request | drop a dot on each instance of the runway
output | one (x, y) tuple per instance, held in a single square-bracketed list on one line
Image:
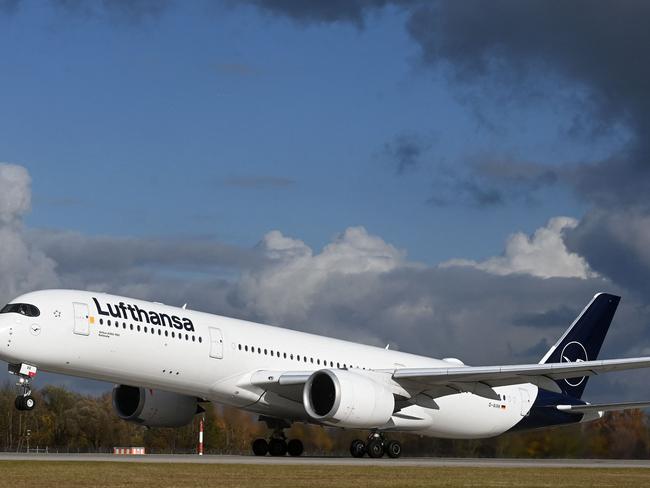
[(336, 461)]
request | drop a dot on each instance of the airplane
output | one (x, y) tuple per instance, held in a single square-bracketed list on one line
[(165, 361)]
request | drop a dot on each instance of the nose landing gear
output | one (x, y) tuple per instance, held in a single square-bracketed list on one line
[(376, 447), (25, 372)]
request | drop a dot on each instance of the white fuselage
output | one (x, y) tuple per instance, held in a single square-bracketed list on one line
[(215, 357)]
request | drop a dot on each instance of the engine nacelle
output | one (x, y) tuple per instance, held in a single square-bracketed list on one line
[(154, 408), (347, 399)]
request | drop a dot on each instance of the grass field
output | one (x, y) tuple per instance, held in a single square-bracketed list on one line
[(143, 475)]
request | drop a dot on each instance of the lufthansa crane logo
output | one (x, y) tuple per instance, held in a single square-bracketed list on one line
[(574, 352)]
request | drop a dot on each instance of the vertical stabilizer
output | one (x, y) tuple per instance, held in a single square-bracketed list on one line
[(583, 340)]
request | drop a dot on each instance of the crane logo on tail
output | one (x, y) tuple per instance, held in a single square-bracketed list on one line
[(574, 352)]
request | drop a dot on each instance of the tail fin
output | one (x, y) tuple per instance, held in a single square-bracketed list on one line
[(582, 341)]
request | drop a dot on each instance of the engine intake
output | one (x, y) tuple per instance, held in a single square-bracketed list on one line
[(154, 408), (347, 399)]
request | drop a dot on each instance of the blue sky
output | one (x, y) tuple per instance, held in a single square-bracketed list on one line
[(377, 171), (229, 122)]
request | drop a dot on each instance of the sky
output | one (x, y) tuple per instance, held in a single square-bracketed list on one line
[(407, 172)]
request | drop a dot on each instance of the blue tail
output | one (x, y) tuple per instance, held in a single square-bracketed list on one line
[(582, 341)]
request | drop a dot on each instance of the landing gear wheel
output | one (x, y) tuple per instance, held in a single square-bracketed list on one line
[(260, 447), (394, 449), (28, 403), (358, 448), (25, 403), (295, 447), (277, 447), (375, 448)]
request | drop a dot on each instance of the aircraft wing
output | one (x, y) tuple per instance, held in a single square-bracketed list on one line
[(267, 378), (543, 375), (287, 384), (601, 407), (436, 382)]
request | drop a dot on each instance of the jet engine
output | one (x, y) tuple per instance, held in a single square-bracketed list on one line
[(154, 408), (347, 399)]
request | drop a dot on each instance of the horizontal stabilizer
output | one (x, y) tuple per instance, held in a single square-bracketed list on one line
[(602, 407)]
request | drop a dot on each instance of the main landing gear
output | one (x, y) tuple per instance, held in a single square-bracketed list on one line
[(25, 372), (376, 446), (277, 445)]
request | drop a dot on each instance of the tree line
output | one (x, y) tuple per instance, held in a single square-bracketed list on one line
[(66, 421)]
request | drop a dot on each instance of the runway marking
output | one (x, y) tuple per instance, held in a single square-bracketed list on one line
[(335, 461)]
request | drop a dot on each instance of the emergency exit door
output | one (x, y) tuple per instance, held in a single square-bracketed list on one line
[(81, 319), (216, 343)]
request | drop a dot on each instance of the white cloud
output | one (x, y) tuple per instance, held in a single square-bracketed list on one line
[(288, 286), (15, 194), (543, 254), (22, 267)]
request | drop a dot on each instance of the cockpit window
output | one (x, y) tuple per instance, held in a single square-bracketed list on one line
[(21, 308)]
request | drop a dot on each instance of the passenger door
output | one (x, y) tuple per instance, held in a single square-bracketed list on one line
[(81, 319), (216, 343)]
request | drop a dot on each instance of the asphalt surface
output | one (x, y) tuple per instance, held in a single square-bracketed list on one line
[(343, 461)]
